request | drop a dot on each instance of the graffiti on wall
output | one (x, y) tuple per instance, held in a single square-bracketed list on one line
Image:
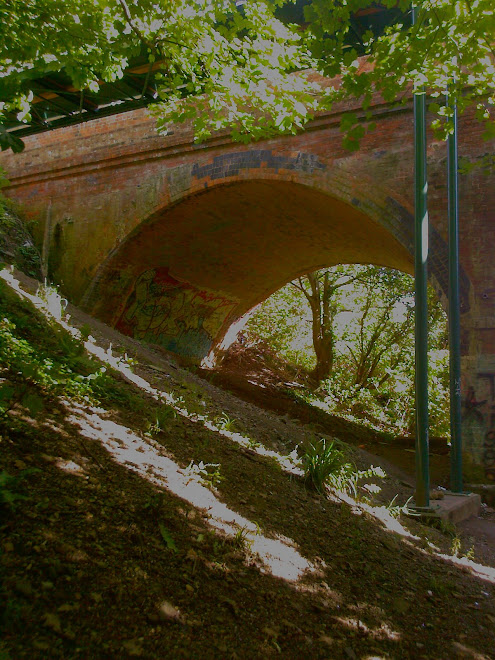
[(175, 314), (479, 423)]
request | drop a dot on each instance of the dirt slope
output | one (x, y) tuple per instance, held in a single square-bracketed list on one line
[(121, 550)]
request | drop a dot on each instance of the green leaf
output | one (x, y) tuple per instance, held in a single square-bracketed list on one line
[(357, 132), (6, 392), (28, 370), (167, 537), (10, 141), (347, 122), (33, 403), (350, 144), (489, 132), (209, 44), (349, 57)]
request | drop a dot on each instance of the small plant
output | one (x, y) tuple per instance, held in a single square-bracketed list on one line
[(207, 473), (395, 510), (225, 423), (322, 462), (127, 362), (444, 526), (455, 548), (167, 537), (177, 401), (253, 444), (241, 539), (325, 465), (163, 415), (470, 553)]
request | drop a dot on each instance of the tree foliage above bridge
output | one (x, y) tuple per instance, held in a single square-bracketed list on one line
[(227, 64)]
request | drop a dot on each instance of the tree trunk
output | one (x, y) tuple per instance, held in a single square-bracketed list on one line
[(324, 361)]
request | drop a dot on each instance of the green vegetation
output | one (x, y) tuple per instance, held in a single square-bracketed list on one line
[(95, 527), (224, 64), (241, 540), (324, 465), (225, 423), (38, 360), (207, 473), (350, 332), (167, 537), (16, 244), (163, 415)]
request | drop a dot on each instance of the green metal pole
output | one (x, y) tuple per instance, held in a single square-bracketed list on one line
[(454, 310), (422, 496)]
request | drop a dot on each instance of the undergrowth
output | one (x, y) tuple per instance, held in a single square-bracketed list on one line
[(326, 466), (39, 359)]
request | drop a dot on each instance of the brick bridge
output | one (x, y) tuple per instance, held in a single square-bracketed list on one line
[(172, 242)]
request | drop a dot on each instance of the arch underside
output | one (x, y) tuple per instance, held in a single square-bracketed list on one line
[(188, 273)]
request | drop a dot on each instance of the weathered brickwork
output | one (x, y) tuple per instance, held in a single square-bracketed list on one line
[(228, 165), (129, 221)]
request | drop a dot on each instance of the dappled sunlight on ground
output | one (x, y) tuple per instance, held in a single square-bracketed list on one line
[(122, 364), (279, 556), (391, 523), (71, 467), (119, 364), (485, 572), (383, 632), (127, 546), (383, 514), (147, 457)]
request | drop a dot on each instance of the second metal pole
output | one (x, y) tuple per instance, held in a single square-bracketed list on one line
[(422, 496), (454, 311)]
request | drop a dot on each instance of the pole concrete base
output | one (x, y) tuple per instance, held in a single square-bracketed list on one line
[(453, 508)]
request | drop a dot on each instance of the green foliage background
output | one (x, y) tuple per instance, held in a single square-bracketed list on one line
[(372, 379)]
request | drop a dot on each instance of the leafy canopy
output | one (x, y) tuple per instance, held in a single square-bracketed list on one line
[(231, 64), (449, 45), (212, 57)]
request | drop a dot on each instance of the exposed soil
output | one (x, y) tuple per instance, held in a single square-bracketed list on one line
[(121, 551)]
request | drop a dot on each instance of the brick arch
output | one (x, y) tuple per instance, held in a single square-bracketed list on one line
[(183, 276), (380, 203)]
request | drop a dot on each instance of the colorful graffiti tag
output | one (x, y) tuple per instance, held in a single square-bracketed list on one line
[(175, 314)]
